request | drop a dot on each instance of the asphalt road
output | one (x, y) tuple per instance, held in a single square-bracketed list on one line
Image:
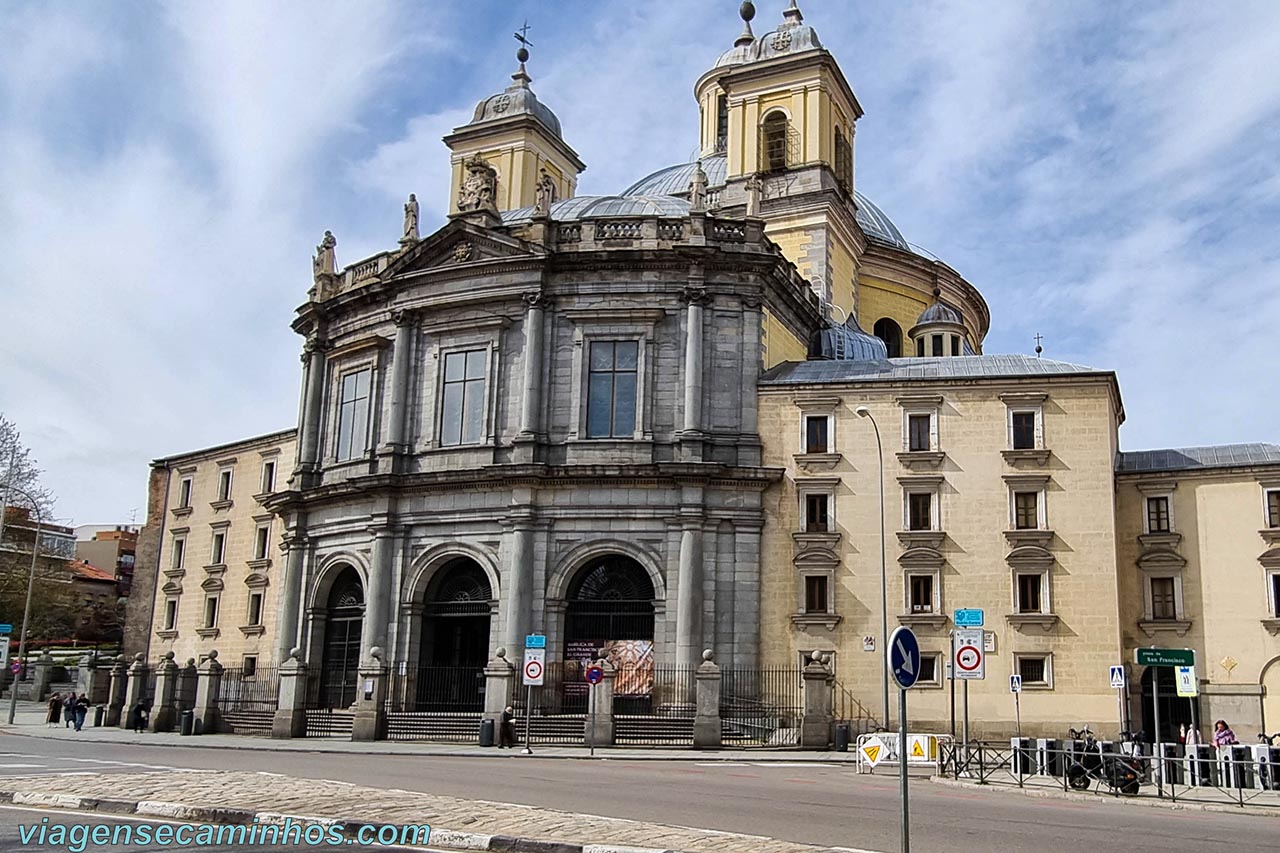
[(13, 818), (817, 804)]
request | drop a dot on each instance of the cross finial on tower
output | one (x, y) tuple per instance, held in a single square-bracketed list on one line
[(522, 35), (522, 54), (1039, 349)]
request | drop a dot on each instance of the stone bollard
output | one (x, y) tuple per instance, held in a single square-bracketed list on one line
[(707, 732), (815, 727), (370, 720), (139, 672), (186, 693), (499, 681), (599, 725), (95, 679), (209, 684), (290, 719), (164, 710), (115, 693), (43, 676)]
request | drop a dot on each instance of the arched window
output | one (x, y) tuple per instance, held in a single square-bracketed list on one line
[(891, 333), (773, 142)]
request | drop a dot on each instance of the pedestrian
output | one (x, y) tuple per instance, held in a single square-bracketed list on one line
[(1222, 734), (55, 710), (140, 716), (1193, 737), (69, 710), (82, 708), (507, 731)]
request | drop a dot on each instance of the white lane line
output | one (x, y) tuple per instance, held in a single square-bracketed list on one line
[(14, 766), (792, 764), (724, 764)]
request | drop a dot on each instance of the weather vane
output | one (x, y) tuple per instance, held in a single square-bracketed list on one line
[(521, 35)]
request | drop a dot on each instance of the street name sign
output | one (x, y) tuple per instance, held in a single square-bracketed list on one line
[(1188, 684), (904, 657), (534, 667), (535, 641), (6, 628), (971, 661), (1165, 657), (971, 617), (1117, 678)]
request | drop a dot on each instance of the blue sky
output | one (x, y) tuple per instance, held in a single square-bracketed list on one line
[(1106, 173)]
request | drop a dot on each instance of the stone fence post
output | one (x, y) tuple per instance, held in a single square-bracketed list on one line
[(136, 692), (815, 727), (370, 721), (164, 711), (186, 693), (208, 686), (499, 677), (94, 680), (599, 725), (115, 694), (707, 732), (43, 675), (290, 719)]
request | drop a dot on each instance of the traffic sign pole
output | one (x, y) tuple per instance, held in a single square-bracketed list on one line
[(1155, 702), (528, 713), (902, 769), (902, 658)]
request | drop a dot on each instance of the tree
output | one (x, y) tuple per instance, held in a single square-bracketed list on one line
[(18, 469)]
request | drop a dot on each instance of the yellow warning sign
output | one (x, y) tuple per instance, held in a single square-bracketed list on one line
[(917, 750), (874, 750), (872, 753)]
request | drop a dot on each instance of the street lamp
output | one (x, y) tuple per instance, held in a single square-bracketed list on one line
[(31, 581), (864, 412)]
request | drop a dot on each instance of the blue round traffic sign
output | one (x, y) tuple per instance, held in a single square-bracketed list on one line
[(904, 657), (594, 674)]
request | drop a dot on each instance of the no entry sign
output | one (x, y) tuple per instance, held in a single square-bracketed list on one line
[(534, 667), (971, 662)]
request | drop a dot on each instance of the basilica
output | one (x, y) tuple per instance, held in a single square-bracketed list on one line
[(729, 409)]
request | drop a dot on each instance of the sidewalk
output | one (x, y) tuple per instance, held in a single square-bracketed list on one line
[(29, 722)]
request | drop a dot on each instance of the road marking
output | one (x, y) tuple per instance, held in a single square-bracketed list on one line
[(12, 766), (805, 764), (724, 764)]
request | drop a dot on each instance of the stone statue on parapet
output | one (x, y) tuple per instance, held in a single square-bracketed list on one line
[(698, 190), (544, 195), (479, 186), (754, 188), (325, 261), (410, 220)]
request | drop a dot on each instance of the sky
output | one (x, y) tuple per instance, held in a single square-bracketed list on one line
[(1107, 173)]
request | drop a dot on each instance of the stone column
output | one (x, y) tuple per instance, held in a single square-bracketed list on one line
[(312, 400), (401, 361), (707, 731), (136, 691), (815, 727), (697, 297), (295, 545), (290, 719), (164, 710), (370, 720), (43, 675), (519, 602), (689, 597), (94, 680), (499, 676), (186, 692), (531, 402), (208, 686), (115, 697), (378, 601), (599, 724)]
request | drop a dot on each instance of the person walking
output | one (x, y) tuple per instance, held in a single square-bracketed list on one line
[(141, 716), (507, 730), (55, 710), (69, 710), (82, 708), (1222, 734)]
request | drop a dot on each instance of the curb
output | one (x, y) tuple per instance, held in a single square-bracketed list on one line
[(450, 838), (1082, 797)]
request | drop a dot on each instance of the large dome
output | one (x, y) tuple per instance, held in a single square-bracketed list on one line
[(674, 180), (591, 206)]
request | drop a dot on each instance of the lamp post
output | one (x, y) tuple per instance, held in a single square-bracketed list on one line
[(31, 580), (864, 412)]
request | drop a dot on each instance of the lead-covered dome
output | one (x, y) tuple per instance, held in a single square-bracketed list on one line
[(595, 206), (846, 342), (517, 99)]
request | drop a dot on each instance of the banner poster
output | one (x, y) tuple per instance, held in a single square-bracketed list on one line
[(633, 660)]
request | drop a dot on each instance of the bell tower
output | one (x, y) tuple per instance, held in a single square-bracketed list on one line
[(517, 137)]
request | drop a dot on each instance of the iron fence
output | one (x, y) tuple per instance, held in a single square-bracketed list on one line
[(847, 709), (761, 706), (258, 690), (444, 689), (654, 705), (331, 688)]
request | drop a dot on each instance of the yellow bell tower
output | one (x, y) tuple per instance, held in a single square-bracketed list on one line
[(518, 138), (781, 112)]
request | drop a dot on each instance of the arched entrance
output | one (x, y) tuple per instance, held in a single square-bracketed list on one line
[(891, 333), (339, 669), (610, 606), (455, 638), (1174, 709)]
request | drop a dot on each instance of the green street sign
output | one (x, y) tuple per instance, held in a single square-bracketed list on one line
[(1165, 657)]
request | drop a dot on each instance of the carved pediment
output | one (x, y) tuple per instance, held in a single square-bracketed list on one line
[(456, 244), (1161, 560), (816, 558), (922, 557), (1271, 559), (1030, 557)]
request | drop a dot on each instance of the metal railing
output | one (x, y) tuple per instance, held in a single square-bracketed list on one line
[(258, 690), (761, 707), (442, 689)]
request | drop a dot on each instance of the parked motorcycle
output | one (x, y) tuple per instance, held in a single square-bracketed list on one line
[(1121, 773)]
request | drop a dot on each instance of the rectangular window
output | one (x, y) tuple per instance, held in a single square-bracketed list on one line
[(262, 542), (928, 669), (255, 608), (815, 594), (179, 552), (1029, 593), (1275, 595), (1024, 430), (611, 389), (919, 509), (937, 346), (922, 593), (722, 121), (1034, 670), (353, 414), (224, 484), (1273, 508), (1026, 510), (462, 410), (171, 614), (250, 667), (1158, 515), (268, 477), (919, 347), (918, 429), (815, 434), (817, 519), (1163, 602), (218, 552), (211, 612), (184, 492), (955, 344)]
